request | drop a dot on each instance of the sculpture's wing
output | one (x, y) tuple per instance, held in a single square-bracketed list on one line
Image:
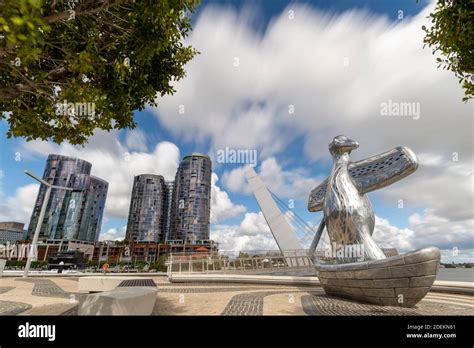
[(372, 173)]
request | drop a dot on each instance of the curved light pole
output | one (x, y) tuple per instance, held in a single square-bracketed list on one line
[(41, 217)]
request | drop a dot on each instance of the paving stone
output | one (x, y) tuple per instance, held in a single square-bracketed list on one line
[(45, 287), (5, 289), (13, 308), (325, 305), (249, 303)]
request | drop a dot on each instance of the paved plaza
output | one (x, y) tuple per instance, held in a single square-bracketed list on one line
[(60, 296)]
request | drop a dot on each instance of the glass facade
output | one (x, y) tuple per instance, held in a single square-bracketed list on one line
[(93, 209), (191, 202), (73, 214), (147, 214), (168, 204)]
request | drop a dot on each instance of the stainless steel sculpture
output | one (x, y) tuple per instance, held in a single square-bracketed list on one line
[(401, 280)]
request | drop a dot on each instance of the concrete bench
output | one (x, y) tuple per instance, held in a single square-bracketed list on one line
[(119, 301)]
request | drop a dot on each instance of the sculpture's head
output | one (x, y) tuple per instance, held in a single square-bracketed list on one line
[(342, 144)]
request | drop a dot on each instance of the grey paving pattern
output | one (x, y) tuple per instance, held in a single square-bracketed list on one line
[(72, 312), (45, 288), (252, 303), (325, 305), (137, 282), (13, 308), (48, 288), (5, 289)]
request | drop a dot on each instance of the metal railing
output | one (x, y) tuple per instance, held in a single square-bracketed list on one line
[(246, 262)]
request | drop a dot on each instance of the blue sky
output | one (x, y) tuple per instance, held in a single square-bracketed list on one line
[(335, 62)]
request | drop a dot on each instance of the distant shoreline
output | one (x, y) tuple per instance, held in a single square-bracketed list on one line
[(456, 274)]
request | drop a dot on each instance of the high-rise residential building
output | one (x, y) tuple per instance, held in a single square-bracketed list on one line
[(147, 214), (70, 215), (168, 204), (191, 203), (11, 231), (94, 206)]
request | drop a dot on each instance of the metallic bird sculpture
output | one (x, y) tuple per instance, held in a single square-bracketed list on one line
[(348, 214), (399, 280)]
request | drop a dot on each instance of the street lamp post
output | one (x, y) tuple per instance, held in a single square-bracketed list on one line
[(41, 217)]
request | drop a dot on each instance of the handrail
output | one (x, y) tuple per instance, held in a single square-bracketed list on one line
[(178, 263)]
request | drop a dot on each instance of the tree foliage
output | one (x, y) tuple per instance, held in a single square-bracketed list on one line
[(69, 67), (452, 35)]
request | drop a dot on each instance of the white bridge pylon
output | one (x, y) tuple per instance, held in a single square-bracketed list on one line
[(282, 231)]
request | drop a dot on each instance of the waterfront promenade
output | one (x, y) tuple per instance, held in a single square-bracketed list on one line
[(59, 295)]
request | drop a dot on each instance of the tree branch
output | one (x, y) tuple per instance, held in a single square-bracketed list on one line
[(80, 11), (14, 91)]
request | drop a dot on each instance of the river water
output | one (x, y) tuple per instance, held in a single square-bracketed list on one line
[(456, 274)]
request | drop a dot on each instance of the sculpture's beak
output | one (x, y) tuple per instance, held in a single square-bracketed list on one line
[(352, 144)]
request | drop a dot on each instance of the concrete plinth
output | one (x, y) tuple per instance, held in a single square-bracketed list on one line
[(119, 301)]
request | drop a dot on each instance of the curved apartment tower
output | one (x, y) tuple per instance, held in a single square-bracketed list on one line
[(73, 214), (191, 203), (147, 214), (94, 206)]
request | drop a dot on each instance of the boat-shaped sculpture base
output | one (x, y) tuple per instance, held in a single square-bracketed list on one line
[(401, 280)]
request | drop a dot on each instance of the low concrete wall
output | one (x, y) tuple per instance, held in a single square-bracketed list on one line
[(460, 288), (119, 301), (243, 278), (48, 274)]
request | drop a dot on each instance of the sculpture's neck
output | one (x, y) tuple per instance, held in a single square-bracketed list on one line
[(341, 160)]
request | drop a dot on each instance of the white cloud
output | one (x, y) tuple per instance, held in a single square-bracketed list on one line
[(293, 184), (136, 140), (440, 184), (114, 234), (336, 71), (222, 207), (19, 207), (457, 256), (236, 181), (253, 233), (425, 230), (430, 228), (117, 164), (389, 236), (301, 63)]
